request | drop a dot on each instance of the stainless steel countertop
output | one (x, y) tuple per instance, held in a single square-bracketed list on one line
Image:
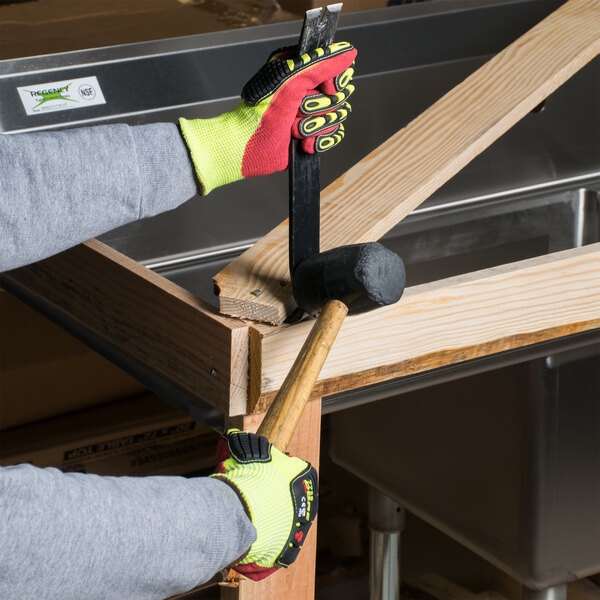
[(408, 57)]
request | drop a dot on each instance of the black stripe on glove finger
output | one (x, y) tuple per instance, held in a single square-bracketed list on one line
[(319, 102), (329, 140), (314, 125), (343, 80)]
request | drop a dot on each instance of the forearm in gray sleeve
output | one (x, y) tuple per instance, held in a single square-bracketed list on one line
[(70, 536), (58, 189)]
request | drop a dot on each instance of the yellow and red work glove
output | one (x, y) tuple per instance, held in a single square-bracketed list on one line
[(303, 96), (279, 493)]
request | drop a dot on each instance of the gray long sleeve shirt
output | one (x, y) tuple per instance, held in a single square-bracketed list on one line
[(58, 189), (79, 536), (76, 536)]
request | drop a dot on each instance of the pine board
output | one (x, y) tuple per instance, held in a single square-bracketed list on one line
[(380, 190), (442, 323)]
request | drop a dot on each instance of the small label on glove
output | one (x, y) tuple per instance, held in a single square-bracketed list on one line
[(61, 95)]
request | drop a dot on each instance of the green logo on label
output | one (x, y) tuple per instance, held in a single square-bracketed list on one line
[(51, 94)]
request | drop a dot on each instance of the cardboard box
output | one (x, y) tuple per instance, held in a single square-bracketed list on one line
[(46, 372), (137, 436)]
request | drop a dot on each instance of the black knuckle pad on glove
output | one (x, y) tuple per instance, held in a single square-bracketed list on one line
[(276, 72), (305, 495), (266, 81), (281, 53), (248, 447)]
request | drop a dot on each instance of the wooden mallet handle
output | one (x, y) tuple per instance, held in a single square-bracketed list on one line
[(284, 413)]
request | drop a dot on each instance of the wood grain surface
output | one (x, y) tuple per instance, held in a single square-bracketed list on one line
[(149, 318), (379, 191), (298, 581), (442, 323)]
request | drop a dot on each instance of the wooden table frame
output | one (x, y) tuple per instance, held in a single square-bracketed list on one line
[(237, 365)]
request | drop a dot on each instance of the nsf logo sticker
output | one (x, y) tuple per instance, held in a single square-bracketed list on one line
[(61, 95), (87, 91)]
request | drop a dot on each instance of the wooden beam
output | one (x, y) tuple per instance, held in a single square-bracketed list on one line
[(149, 318), (442, 323), (298, 581), (379, 191)]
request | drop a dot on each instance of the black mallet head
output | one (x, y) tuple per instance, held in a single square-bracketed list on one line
[(362, 276)]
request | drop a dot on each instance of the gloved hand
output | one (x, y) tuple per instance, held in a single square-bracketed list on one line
[(304, 96), (279, 493)]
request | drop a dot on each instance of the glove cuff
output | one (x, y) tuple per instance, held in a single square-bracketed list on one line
[(217, 145)]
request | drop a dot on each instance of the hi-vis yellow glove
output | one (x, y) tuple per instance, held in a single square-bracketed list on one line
[(280, 494), (304, 96)]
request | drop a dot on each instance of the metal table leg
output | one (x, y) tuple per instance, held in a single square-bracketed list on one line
[(386, 521), (557, 592)]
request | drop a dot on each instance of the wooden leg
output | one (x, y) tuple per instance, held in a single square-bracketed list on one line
[(298, 581)]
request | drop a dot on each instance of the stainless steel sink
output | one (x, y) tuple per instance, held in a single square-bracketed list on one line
[(502, 454), (506, 462)]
